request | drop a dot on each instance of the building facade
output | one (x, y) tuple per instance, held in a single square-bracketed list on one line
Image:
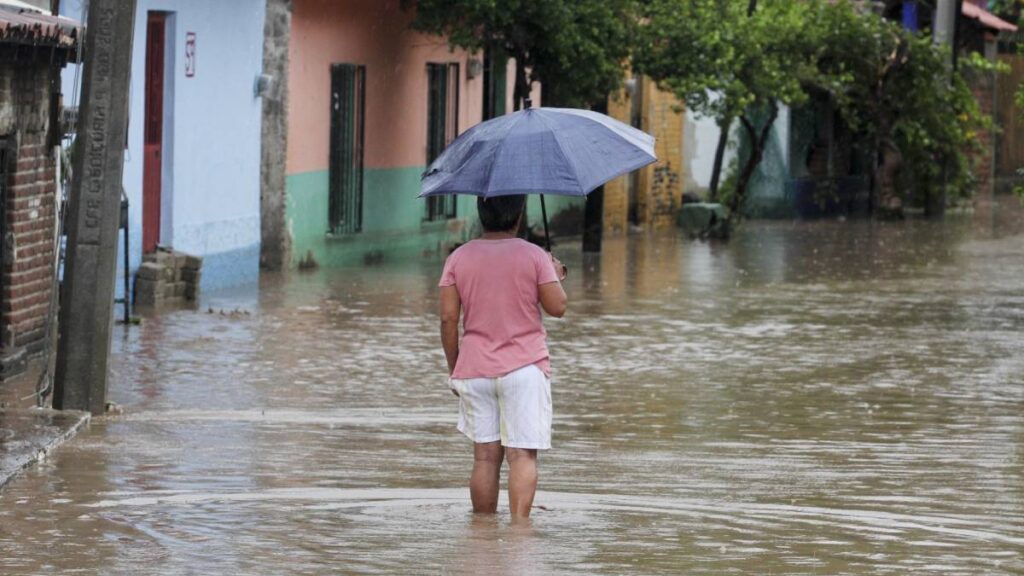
[(649, 197), (370, 104), (34, 46), (810, 168), (192, 163)]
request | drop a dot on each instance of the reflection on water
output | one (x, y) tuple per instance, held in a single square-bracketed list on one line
[(831, 398)]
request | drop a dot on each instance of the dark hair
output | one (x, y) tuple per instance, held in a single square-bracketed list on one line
[(500, 213)]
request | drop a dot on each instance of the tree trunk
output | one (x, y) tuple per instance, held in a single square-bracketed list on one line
[(723, 136), (716, 170), (522, 87), (758, 141), (876, 176)]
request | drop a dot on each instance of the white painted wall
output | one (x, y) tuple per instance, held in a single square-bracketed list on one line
[(42, 5), (211, 156), (701, 140), (212, 134)]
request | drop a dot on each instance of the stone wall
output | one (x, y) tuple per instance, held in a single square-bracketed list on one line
[(29, 206)]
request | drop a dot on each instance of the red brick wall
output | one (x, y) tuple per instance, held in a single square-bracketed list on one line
[(28, 224), (29, 221)]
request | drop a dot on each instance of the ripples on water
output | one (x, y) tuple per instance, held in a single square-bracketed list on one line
[(813, 398)]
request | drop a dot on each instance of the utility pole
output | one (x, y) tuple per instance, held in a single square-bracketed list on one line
[(87, 296), (945, 23), (946, 12)]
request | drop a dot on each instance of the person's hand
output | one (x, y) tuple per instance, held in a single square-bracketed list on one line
[(561, 271)]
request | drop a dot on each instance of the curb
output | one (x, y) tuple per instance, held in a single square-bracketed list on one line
[(19, 451)]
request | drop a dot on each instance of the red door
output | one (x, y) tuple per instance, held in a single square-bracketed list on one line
[(154, 131)]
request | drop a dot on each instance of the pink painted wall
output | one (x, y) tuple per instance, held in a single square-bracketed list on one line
[(373, 33)]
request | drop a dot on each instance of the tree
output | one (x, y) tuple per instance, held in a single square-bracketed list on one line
[(914, 116), (890, 86), (726, 61), (576, 49), (1007, 9)]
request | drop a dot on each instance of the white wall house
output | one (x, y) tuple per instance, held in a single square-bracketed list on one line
[(192, 164)]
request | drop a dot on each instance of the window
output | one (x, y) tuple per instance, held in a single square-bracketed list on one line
[(348, 113), (442, 126)]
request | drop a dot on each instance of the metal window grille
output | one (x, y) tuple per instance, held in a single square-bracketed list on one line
[(348, 119), (442, 126)]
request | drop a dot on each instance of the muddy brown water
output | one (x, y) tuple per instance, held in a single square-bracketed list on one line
[(823, 398)]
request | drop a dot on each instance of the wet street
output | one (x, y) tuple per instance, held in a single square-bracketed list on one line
[(825, 398)]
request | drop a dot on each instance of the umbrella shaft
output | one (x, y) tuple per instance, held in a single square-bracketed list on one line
[(544, 214)]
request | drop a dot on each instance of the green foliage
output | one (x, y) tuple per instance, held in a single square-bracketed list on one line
[(575, 48), (895, 89), (1006, 8), (891, 87), (719, 61)]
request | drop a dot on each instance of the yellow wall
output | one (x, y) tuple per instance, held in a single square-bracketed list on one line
[(659, 187)]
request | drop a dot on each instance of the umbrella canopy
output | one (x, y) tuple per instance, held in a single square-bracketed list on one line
[(539, 151)]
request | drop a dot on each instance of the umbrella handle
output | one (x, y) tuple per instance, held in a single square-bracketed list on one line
[(544, 213)]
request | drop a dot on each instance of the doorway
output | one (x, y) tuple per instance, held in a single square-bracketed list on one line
[(152, 167)]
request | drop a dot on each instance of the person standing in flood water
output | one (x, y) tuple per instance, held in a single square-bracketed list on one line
[(500, 370)]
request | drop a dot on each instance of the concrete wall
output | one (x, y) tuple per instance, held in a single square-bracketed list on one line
[(375, 34), (770, 194), (41, 4), (769, 190), (212, 122), (701, 140)]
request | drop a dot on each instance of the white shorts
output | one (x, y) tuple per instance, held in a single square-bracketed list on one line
[(514, 408)]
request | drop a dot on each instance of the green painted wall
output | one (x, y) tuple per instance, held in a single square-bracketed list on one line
[(393, 225)]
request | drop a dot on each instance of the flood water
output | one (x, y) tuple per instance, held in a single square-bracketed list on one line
[(823, 398)]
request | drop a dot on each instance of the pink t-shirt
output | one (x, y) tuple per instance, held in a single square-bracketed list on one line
[(497, 282)]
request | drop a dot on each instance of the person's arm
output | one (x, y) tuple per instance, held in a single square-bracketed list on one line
[(552, 296), (553, 299), (451, 308)]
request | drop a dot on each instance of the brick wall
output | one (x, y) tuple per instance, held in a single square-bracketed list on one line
[(616, 192), (664, 121), (659, 187), (28, 222)]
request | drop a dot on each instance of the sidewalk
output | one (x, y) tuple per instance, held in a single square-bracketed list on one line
[(28, 434)]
